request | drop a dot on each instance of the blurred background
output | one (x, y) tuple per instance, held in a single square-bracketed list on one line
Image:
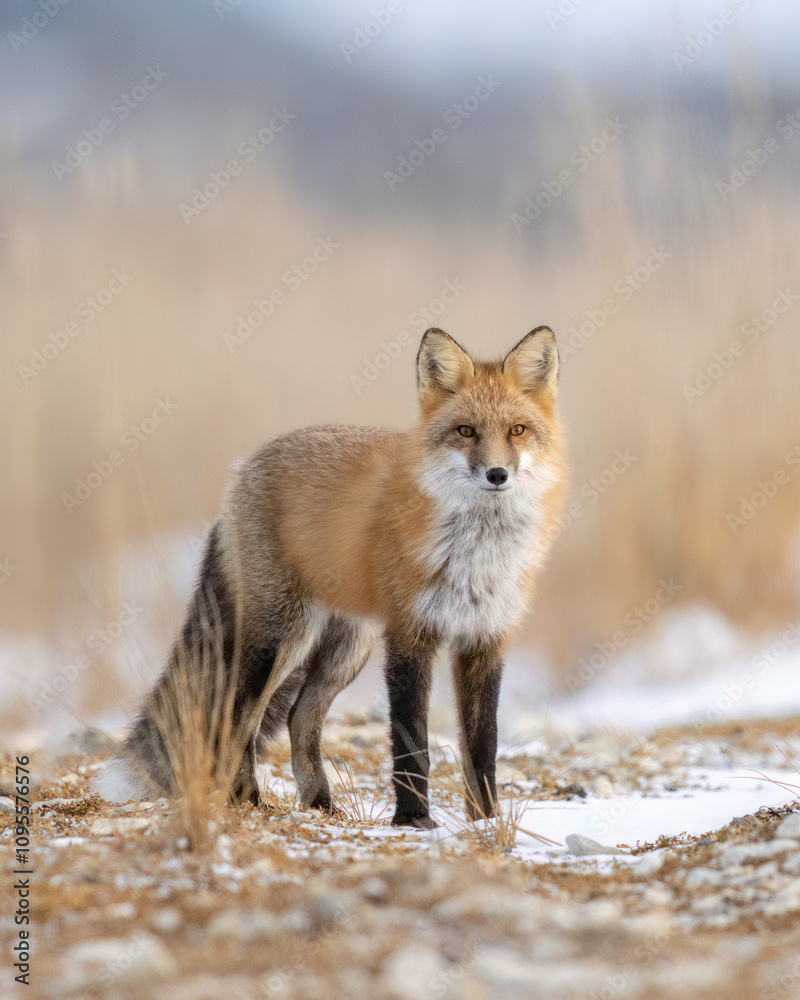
[(222, 219)]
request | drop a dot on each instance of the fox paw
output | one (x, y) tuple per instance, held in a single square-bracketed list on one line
[(420, 822)]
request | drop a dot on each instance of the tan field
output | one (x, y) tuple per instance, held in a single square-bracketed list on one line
[(655, 475)]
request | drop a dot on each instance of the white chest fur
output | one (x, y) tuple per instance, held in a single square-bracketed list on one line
[(482, 547)]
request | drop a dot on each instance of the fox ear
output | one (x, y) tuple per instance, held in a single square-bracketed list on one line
[(534, 362), (442, 366)]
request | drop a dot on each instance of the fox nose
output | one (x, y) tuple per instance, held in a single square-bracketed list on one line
[(497, 476)]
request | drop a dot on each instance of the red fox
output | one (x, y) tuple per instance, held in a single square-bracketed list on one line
[(333, 536)]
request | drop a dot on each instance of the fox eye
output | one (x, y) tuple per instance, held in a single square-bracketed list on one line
[(466, 431), (517, 429)]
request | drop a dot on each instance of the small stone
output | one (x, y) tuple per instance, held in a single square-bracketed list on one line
[(129, 961), (649, 865), (708, 904), (603, 788), (295, 921), (582, 846), (785, 901), (121, 825), (408, 973), (375, 890), (657, 896), (571, 791), (361, 742), (721, 920), (262, 867), (792, 864), (70, 779), (244, 925), (699, 877), (598, 915), (167, 921), (507, 774), (739, 854), (303, 816), (120, 911), (7, 804), (224, 848), (327, 909), (509, 914), (789, 827), (507, 974)]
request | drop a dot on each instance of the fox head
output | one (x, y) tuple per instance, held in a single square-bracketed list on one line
[(489, 426)]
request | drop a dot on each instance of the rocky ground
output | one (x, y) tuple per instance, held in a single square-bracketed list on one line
[(286, 903)]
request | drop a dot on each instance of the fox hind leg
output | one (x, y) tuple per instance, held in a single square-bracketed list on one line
[(338, 657), (264, 676)]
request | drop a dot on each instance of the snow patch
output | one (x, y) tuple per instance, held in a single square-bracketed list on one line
[(116, 781)]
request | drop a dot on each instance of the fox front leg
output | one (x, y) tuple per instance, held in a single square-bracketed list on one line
[(408, 678), (477, 668)]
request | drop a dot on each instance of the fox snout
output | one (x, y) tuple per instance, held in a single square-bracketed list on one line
[(497, 476)]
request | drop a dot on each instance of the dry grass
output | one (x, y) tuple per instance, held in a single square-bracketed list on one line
[(360, 804)]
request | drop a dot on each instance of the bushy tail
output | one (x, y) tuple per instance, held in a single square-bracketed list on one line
[(190, 738)]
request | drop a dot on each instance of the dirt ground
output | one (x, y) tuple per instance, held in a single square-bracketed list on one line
[(280, 902)]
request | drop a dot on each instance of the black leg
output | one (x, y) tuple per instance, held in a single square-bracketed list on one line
[(408, 677), (477, 668)]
